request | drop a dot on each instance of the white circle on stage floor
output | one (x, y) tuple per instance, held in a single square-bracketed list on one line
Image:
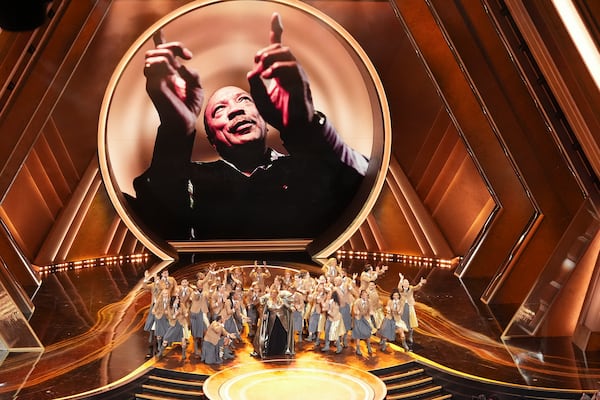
[(275, 380)]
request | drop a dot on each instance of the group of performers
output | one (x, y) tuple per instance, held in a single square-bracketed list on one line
[(276, 311)]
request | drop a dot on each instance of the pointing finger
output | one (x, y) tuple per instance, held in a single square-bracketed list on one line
[(158, 37), (176, 48), (276, 29)]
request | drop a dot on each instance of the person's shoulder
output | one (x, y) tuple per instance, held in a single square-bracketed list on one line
[(209, 171), (207, 164)]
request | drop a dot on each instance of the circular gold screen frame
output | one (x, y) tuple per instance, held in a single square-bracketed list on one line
[(344, 83)]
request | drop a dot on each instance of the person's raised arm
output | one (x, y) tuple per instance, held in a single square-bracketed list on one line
[(177, 95), (287, 104), (418, 286)]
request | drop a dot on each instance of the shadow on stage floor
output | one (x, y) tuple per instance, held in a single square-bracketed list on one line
[(90, 322)]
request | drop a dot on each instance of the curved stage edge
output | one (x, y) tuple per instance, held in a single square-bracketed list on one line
[(95, 344)]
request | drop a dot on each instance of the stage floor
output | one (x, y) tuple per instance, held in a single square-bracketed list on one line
[(293, 379), (91, 324)]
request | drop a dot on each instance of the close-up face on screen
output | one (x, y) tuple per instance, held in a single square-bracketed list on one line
[(243, 120)]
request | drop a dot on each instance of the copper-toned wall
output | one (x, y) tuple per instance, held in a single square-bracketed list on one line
[(494, 96), (51, 129), (425, 144)]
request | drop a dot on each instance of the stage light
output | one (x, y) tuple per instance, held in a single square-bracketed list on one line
[(93, 262), (410, 260)]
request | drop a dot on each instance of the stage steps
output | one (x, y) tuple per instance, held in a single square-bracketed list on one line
[(163, 384), (405, 381), (410, 381)]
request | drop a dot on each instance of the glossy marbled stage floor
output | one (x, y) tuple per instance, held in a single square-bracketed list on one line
[(90, 322)]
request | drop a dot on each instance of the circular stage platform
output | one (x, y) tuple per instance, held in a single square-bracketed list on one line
[(293, 380)]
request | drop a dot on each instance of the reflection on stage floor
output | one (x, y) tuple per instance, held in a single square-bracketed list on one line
[(90, 322)]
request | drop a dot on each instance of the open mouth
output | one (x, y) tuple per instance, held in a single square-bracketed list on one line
[(241, 127)]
